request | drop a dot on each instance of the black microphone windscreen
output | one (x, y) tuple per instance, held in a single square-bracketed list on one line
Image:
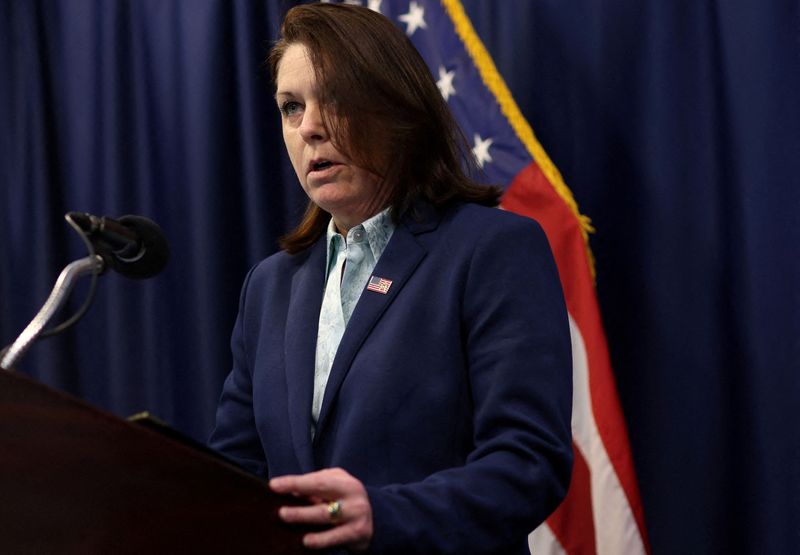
[(153, 254)]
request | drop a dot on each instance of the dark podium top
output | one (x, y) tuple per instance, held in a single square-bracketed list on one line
[(74, 479)]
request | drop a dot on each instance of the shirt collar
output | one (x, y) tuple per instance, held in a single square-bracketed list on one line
[(378, 230)]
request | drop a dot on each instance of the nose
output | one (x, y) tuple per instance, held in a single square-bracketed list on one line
[(312, 128)]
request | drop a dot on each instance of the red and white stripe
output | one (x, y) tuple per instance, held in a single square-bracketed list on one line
[(602, 512)]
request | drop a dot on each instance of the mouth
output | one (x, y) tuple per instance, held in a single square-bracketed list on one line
[(320, 165)]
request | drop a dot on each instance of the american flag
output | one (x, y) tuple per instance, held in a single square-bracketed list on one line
[(602, 512), (379, 284)]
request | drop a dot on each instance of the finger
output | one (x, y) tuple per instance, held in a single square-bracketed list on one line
[(306, 485), (283, 484), (314, 514), (324, 484)]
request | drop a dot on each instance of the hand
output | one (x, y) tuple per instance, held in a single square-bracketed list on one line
[(352, 529)]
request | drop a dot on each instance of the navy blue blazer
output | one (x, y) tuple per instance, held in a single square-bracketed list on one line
[(449, 397)]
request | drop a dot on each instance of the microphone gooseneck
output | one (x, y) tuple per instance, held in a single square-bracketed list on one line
[(134, 246)]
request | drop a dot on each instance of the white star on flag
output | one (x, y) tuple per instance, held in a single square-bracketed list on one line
[(375, 5), (445, 82), (481, 150), (414, 19)]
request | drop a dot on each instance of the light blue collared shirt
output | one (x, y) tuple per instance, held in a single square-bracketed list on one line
[(364, 246), (349, 264)]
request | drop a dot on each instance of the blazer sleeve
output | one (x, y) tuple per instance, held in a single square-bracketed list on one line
[(235, 434), (515, 333)]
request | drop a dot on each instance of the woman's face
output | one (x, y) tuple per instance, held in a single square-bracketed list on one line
[(330, 180)]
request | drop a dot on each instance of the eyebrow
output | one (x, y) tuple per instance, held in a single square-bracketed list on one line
[(288, 94)]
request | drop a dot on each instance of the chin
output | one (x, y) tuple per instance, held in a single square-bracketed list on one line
[(331, 201)]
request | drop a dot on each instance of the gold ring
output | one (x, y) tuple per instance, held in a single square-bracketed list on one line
[(335, 511)]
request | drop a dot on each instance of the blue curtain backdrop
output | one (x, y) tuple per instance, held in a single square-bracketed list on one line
[(676, 124)]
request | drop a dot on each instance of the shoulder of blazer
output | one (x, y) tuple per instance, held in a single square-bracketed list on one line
[(282, 262), (466, 219)]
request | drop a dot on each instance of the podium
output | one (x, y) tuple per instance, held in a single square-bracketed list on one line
[(74, 479)]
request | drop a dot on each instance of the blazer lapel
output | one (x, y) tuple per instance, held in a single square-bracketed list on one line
[(397, 263), (302, 323)]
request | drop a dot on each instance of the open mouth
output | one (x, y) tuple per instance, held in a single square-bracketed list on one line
[(322, 165)]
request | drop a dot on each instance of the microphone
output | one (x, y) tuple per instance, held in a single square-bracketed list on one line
[(133, 246)]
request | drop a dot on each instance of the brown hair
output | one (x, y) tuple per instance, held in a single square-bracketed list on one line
[(390, 117)]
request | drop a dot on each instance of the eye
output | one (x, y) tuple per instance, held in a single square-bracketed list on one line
[(290, 108)]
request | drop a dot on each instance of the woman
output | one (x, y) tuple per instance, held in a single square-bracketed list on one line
[(404, 363)]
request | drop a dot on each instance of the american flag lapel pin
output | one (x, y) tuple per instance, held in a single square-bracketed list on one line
[(379, 285)]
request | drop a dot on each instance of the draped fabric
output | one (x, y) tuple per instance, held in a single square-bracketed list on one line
[(676, 125), (145, 107)]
